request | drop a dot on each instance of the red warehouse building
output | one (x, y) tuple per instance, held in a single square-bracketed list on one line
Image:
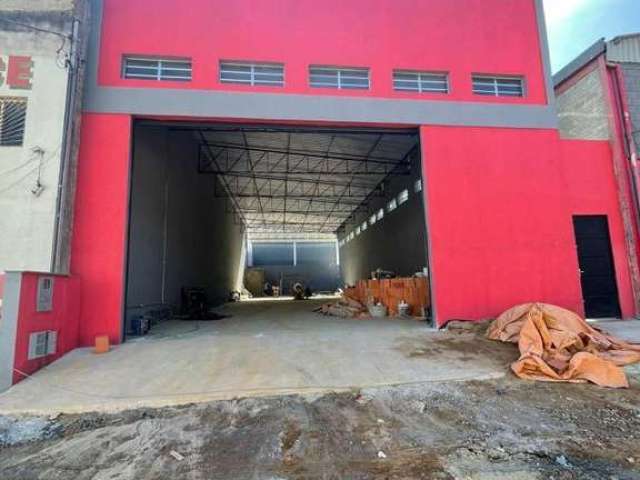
[(417, 134)]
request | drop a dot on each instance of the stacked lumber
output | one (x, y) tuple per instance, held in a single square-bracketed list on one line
[(413, 290), (345, 307)]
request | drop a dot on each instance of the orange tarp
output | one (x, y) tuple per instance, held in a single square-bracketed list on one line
[(558, 345)]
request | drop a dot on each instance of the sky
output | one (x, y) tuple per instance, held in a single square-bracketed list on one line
[(574, 25)]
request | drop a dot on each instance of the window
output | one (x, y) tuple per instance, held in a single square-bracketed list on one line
[(403, 196), (358, 230), (422, 82), (498, 86), (272, 253), (417, 185), (351, 236), (391, 206), (13, 114), (364, 226), (42, 344), (335, 77), (269, 74), (316, 253), (176, 69), (372, 219), (380, 214)]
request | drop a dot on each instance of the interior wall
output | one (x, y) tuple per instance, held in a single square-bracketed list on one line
[(397, 242), (180, 234)]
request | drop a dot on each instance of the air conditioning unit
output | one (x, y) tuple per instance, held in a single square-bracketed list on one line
[(42, 344)]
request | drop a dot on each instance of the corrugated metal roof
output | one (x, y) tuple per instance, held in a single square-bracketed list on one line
[(624, 49)]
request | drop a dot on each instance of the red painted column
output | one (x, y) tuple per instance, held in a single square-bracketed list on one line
[(100, 224)]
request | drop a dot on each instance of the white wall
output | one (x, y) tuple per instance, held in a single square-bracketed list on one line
[(26, 221)]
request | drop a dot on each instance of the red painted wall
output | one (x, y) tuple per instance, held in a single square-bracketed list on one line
[(63, 318), (499, 205), (458, 36), (100, 223)]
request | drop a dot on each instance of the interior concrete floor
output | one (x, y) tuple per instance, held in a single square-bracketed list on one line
[(263, 348)]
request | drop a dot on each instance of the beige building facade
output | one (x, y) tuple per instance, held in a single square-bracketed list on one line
[(40, 81)]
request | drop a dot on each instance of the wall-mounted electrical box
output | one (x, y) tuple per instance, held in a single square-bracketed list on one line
[(44, 299)]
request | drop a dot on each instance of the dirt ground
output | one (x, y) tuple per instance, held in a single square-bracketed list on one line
[(496, 429)]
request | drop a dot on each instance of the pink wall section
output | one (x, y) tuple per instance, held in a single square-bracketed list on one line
[(100, 223), (63, 318), (500, 205), (458, 36)]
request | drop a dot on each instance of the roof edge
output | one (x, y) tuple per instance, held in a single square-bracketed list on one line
[(592, 52)]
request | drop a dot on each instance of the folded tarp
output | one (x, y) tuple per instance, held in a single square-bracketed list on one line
[(558, 345)]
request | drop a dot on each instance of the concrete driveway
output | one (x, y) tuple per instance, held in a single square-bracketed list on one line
[(264, 348)]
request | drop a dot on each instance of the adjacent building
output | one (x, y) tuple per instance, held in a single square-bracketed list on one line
[(41, 65), (598, 97)]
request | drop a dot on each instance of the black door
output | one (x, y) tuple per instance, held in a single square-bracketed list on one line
[(597, 273)]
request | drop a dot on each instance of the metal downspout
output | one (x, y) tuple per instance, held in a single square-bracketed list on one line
[(629, 151)]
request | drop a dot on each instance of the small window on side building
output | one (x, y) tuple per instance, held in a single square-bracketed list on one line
[(13, 116)]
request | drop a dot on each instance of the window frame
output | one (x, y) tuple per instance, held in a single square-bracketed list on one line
[(252, 82), (160, 67), (340, 72), (420, 81), (402, 197), (495, 80), (22, 121)]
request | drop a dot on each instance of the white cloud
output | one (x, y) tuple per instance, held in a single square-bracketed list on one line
[(557, 11)]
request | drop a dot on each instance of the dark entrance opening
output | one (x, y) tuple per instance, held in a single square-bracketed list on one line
[(215, 205), (597, 272)]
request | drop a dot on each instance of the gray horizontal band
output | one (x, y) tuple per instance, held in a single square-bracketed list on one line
[(267, 106)]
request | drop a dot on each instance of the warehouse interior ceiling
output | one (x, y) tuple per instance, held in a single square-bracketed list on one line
[(298, 180)]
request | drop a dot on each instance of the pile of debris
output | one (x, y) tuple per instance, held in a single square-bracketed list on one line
[(397, 297), (345, 307)]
